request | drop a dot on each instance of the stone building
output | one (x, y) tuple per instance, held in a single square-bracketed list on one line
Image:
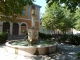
[(24, 22)]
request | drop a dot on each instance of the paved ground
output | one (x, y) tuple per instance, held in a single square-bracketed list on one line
[(65, 52)]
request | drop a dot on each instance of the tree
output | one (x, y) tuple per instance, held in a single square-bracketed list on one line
[(57, 17), (77, 18), (12, 7), (72, 4)]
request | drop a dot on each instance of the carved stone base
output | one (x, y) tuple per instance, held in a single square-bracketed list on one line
[(33, 35)]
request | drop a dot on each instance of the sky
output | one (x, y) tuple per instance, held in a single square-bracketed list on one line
[(42, 3)]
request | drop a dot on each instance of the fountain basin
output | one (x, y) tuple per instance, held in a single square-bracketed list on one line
[(30, 50)]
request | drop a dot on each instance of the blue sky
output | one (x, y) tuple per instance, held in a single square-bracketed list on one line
[(42, 3)]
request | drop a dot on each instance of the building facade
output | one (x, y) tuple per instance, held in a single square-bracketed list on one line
[(24, 22), (56, 31)]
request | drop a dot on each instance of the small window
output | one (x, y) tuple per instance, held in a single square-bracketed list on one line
[(24, 12)]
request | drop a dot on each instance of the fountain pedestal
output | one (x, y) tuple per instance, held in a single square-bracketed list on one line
[(33, 36)]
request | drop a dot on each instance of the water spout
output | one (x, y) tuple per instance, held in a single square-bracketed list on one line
[(26, 37)]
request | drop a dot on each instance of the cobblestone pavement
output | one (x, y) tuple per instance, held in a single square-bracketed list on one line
[(65, 52)]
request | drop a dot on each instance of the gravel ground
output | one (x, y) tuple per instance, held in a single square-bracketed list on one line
[(64, 52)]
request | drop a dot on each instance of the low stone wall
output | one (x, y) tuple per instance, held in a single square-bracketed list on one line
[(30, 50)]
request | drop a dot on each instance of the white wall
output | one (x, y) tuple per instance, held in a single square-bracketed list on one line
[(74, 31), (42, 30)]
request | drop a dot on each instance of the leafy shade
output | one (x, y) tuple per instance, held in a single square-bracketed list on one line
[(57, 17), (77, 18), (12, 7), (72, 4), (77, 26)]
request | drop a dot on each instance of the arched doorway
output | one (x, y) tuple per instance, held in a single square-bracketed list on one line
[(15, 28), (6, 27), (23, 28)]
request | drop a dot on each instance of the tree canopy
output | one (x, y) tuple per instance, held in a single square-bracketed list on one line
[(57, 17), (77, 18), (72, 4), (11, 7)]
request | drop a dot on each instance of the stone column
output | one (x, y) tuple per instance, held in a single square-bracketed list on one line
[(33, 15), (11, 28), (33, 21), (71, 30), (19, 29), (1, 26), (33, 33)]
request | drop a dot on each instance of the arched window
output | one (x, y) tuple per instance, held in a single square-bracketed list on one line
[(23, 24), (6, 27), (15, 28), (23, 28)]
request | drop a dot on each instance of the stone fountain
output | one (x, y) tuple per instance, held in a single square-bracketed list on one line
[(33, 33), (33, 39)]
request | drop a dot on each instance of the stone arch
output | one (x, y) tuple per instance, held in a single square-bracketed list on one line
[(25, 23), (15, 28), (6, 27), (24, 28)]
